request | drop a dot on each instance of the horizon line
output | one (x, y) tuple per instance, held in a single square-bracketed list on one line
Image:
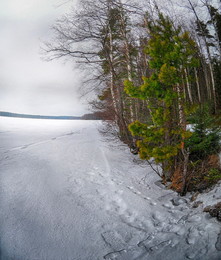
[(39, 116)]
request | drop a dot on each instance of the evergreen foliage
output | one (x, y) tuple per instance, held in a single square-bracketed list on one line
[(171, 51), (205, 138)]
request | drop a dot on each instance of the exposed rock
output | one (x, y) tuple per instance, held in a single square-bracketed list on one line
[(219, 215), (197, 203), (207, 208), (214, 211)]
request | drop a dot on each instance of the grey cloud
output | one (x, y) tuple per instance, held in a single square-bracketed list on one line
[(27, 83)]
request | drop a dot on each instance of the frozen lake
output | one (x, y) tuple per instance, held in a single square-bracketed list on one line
[(66, 194)]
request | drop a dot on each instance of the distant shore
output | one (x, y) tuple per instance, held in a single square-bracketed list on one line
[(9, 114)]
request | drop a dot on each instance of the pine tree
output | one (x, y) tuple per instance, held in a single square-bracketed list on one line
[(171, 51)]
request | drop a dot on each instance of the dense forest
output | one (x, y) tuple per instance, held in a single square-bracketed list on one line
[(156, 70)]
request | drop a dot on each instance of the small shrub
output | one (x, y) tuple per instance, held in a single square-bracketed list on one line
[(213, 175), (204, 147), (205, 138)]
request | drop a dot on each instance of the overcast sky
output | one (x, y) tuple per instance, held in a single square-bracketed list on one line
[(27, 83)]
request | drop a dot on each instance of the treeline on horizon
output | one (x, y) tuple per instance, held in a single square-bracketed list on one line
[(90, 116), (156, 70)]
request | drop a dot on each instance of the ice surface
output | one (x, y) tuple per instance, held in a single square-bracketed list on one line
[(67, 194)]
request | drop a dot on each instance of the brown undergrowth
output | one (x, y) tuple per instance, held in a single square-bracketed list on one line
[(202, 174)]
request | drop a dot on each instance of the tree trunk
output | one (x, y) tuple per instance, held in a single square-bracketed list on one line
[(185, 153), (127, 57), (198, 86), (188, 86)]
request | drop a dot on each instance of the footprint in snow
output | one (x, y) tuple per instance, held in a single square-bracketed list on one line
[(101, 175), (130, 216), (197, 253), (114, 255), (145, 242), (158, 216), (113, 239), (137, 193), (119, 205), (152, 203), (192, 236), (133, 190), (168, 205), (116, 182), (194, 218), (136, 223), (156, 243), (159, 247), (218, 242)]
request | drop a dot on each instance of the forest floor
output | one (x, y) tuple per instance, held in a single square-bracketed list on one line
[(67, 193)]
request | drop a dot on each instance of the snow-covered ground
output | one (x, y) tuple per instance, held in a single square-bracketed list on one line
[(66, 194)]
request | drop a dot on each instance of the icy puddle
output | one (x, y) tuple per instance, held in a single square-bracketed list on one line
[(66, 194)]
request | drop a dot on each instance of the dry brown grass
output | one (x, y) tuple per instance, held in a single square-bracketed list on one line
[(198, 178), (177, 180)]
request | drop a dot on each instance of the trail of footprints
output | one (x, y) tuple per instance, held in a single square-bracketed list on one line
[(169, 235), (141, 241)]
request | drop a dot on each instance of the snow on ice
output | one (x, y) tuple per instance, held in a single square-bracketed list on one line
[(67, 194)]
